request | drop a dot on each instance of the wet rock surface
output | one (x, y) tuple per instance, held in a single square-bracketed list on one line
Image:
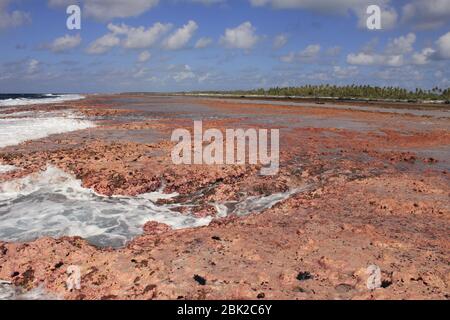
[(368, 197)]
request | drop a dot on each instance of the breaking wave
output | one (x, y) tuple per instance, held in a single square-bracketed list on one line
[(21, 100), (53, 203), (16, 129)]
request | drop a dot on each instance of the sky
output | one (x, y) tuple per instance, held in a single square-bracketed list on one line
[(184, 45)]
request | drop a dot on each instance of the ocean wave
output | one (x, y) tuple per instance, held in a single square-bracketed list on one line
[(39, 99), (54, 203), (4, 168), (14, 131)]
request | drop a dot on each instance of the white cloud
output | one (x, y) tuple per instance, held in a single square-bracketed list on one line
[(443, 47), (65, 43), (62, 3), (371, 45), (144, 56), (12, 19), (20, 70), (184, 74), (203, 43), (389, 17), (392, 61), (426, 14), (141, 72), (103, 44), (105, 10), (288, 58), (204, 77), (280, 41), (310, 51), (207, 2), (180, 37), (399, 51), (440, 52), (336, 6), (423, 57), (308, 54), (241, 37), (129, 37), (393, 55), (361, 59), (318, 76), (108, 9), (371, 59), (401, 45), (409, 76), (341, 7), (345, 72), (140, 37), (32, 66)]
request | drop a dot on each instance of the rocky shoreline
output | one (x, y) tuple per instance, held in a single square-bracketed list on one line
[(373, 189)]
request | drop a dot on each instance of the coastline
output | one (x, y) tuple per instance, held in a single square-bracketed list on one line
[(372, 194)]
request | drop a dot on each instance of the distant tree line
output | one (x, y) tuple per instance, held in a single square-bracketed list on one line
[(349, 91)]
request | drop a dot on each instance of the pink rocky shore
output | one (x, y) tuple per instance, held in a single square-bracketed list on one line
[(366, 196)]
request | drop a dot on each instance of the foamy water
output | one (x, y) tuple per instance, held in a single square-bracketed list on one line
[(255, 204), (16, 129), (51, 99), (10, 292), (4, 168), (53, 203)]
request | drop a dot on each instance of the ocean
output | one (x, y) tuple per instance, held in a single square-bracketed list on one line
[(21, 126), (18, 99)]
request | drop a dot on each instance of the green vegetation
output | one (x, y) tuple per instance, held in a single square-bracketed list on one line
[(347, 92)]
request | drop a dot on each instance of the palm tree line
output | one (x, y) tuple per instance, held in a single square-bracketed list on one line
[(348, 91)]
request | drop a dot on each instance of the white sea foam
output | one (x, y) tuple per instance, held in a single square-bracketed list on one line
[(16, 130), (10, 292), (50, 99), (53, 203), (258, 204), (4, 168), (255, 204)]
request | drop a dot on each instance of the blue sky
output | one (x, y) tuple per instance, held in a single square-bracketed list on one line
[(172, 45)]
